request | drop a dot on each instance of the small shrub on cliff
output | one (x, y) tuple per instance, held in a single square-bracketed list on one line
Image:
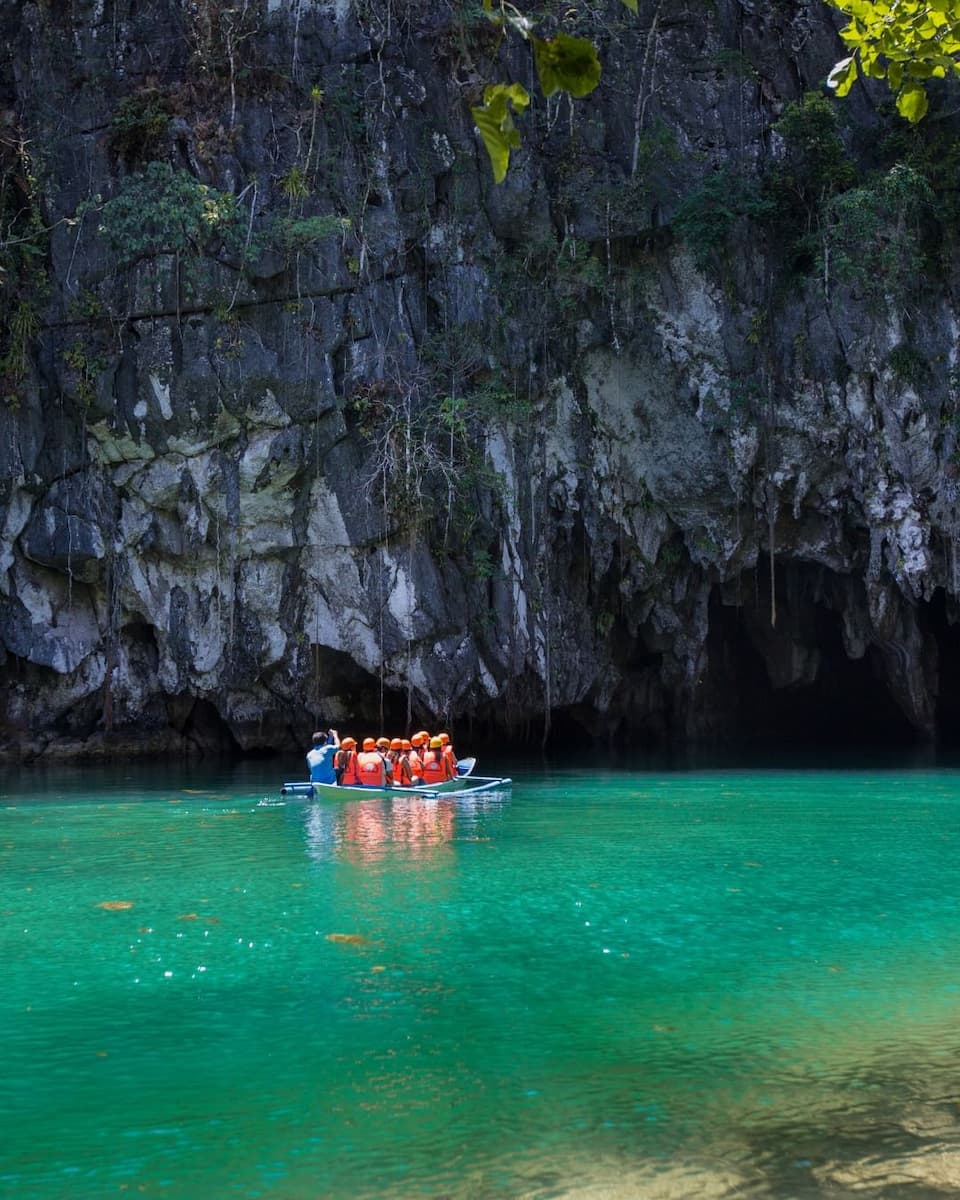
[(428, 453), (814, 166), (162, 211), (932, 149), (24, 243), (873, 235), (706, 218), (908, 365), (294, 234), (23, 327), (139, 127)]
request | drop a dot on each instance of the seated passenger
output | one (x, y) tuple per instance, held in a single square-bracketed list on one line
[(436, 768), (402, 775), (413, 762), (371, 766), (345, 763), (448, 751)]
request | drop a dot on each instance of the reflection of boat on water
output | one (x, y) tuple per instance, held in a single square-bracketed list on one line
[(334, 791), (405, 821), (464, 783), (367, 829)]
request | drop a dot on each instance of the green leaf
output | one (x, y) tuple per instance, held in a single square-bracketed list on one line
[(912, 102), (843, 76), (894, 76), (566, 64), (494, 121), (632, 5), (902, 40)]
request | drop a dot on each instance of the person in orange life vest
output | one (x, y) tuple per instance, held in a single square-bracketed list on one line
[(448, 753), (393, 757), (370, 765), (436, 768), (345, 764), (413, 762), (421, 744), (402, 776), (416, 749), (383, 749)]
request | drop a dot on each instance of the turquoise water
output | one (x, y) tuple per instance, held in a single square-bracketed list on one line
[(633, 984)]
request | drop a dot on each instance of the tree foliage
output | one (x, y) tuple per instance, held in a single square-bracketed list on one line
[(163, 211), (563, 64), (905, 42)]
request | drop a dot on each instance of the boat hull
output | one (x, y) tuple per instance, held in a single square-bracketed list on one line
[(333, 791)]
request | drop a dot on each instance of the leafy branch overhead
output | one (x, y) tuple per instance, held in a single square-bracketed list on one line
[(905, 42), (563, 64)]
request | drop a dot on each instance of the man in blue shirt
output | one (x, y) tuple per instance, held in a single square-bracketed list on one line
[(320, 757)]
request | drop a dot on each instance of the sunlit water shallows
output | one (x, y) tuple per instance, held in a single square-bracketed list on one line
[(628, 985)]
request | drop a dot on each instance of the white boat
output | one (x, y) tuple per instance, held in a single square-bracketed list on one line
[(466, 781)]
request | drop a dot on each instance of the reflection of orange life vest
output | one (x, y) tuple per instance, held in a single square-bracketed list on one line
[(371, 769), (436, 769), (346, 761)]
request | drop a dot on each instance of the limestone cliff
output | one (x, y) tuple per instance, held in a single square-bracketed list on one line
[(304, 419)]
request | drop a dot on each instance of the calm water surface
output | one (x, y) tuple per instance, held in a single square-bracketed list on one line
[(631, 984)]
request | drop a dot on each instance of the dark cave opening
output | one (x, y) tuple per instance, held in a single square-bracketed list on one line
[(206, 730), (838, 702), (939, 620), (141, 638)]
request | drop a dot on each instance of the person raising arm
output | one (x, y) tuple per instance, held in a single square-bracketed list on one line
[(321, 755)]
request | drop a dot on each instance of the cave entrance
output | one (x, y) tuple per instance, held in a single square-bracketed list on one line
[(336, 677), (940, 622), (795, 685), (205, 730)]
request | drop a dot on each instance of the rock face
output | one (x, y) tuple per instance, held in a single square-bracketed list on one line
[(306, 420)]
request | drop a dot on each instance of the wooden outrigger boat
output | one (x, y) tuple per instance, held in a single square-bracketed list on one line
[(466, 782)]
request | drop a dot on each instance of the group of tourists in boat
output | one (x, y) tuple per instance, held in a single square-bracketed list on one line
[(422, 759)]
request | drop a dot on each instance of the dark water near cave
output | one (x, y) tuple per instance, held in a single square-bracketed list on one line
[(638, 983)]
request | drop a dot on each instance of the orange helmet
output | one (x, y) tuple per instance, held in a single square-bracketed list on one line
[(348, 743), (444, 737), (396, 744), (369, 744), (383, 743), (406, 744), (435, 743), (422, 735)]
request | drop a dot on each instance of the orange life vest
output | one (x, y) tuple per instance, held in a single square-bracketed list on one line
[(415, 761), (346, 762), (436, 769), (402, 774), (451, 758), (371, 769)]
